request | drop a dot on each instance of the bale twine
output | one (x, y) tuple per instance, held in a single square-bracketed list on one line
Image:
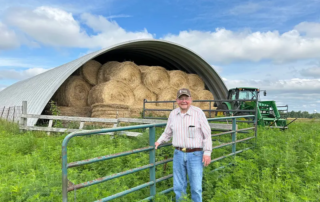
[(205, 95), (89, 71), (105, 70), (111, 92), (195, 82), (178, 79), (140, 93), (156, 79), (76, 92), (126, 72), (167, 94), (74, 111)]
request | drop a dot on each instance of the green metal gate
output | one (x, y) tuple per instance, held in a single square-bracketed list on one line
[(152, 163)]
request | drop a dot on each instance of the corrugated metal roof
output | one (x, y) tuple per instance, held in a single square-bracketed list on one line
[(38, 90)]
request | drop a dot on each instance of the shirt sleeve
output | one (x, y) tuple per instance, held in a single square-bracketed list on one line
[(167, 134), (206, 131)]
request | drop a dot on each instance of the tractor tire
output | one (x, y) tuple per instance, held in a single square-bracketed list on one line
[(222, 107)]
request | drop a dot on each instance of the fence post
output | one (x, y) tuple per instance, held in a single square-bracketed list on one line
[(64, 171), (13, 115), (234, 128), (152, 160), (256, 121), (210, 109), (8, 114), (144, 107), (2, 111), (23, 121)]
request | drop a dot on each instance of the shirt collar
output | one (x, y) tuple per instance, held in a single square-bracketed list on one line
[(189, 112)]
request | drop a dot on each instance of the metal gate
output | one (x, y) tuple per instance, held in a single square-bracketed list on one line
[(152, 163)]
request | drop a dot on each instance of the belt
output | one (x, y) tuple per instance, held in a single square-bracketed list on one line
[(188, 150)]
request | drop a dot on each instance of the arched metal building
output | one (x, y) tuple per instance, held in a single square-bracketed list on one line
[(38, 90)]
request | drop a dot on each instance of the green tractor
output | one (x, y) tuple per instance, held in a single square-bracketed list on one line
[(267, 114)]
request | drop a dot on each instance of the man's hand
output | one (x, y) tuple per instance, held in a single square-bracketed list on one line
[(156, 144), (206, 160)]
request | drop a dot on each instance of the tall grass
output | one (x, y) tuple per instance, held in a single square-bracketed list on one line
[(284, 166)]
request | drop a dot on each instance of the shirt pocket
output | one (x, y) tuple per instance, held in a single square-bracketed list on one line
[(191, 132)]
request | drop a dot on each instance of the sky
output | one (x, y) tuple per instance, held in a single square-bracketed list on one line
[(273, 45)]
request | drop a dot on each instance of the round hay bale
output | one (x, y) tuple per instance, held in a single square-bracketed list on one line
[(126, 72), (89, 71), (140, 93), (195, 82), (111, 92), (168, 94), (205, 95), (156, 79), (105, 70), (76, 92), (178, 79)]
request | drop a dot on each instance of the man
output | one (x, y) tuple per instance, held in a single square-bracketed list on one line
[(193, 145)]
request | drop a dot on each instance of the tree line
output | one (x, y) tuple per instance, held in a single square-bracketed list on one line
[(303, 114)]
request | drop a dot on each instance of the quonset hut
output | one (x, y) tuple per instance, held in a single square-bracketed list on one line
[(38, 90)]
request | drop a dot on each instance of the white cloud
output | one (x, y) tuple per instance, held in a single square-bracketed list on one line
[(217, 68), (109, 32), (311, 72), (311, 29), (18, 62), (290, 85), (19, 75), (245, 8), (58, 28), (227, 46), (8, 38)]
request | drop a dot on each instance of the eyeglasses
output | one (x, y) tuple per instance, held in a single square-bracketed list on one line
[(184, 99)]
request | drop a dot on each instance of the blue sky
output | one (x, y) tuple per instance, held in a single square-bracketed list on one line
[(273, 45)]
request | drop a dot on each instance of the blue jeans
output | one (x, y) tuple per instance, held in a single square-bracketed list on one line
[(191, 164)]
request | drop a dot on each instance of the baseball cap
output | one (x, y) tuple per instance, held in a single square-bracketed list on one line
[(183, 91)]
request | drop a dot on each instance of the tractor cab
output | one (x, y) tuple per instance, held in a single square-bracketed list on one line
[(243, 93)]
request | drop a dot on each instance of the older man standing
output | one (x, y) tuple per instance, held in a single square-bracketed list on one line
[(191, 134)]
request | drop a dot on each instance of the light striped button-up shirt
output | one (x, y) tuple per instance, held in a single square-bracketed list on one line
[(189, 130)]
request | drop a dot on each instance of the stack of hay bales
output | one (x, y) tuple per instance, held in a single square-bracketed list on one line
[(118, 89)]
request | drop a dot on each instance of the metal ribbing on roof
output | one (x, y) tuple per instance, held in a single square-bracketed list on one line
[(38, 90)]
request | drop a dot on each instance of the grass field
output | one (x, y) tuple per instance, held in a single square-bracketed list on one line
[(284, 166)]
